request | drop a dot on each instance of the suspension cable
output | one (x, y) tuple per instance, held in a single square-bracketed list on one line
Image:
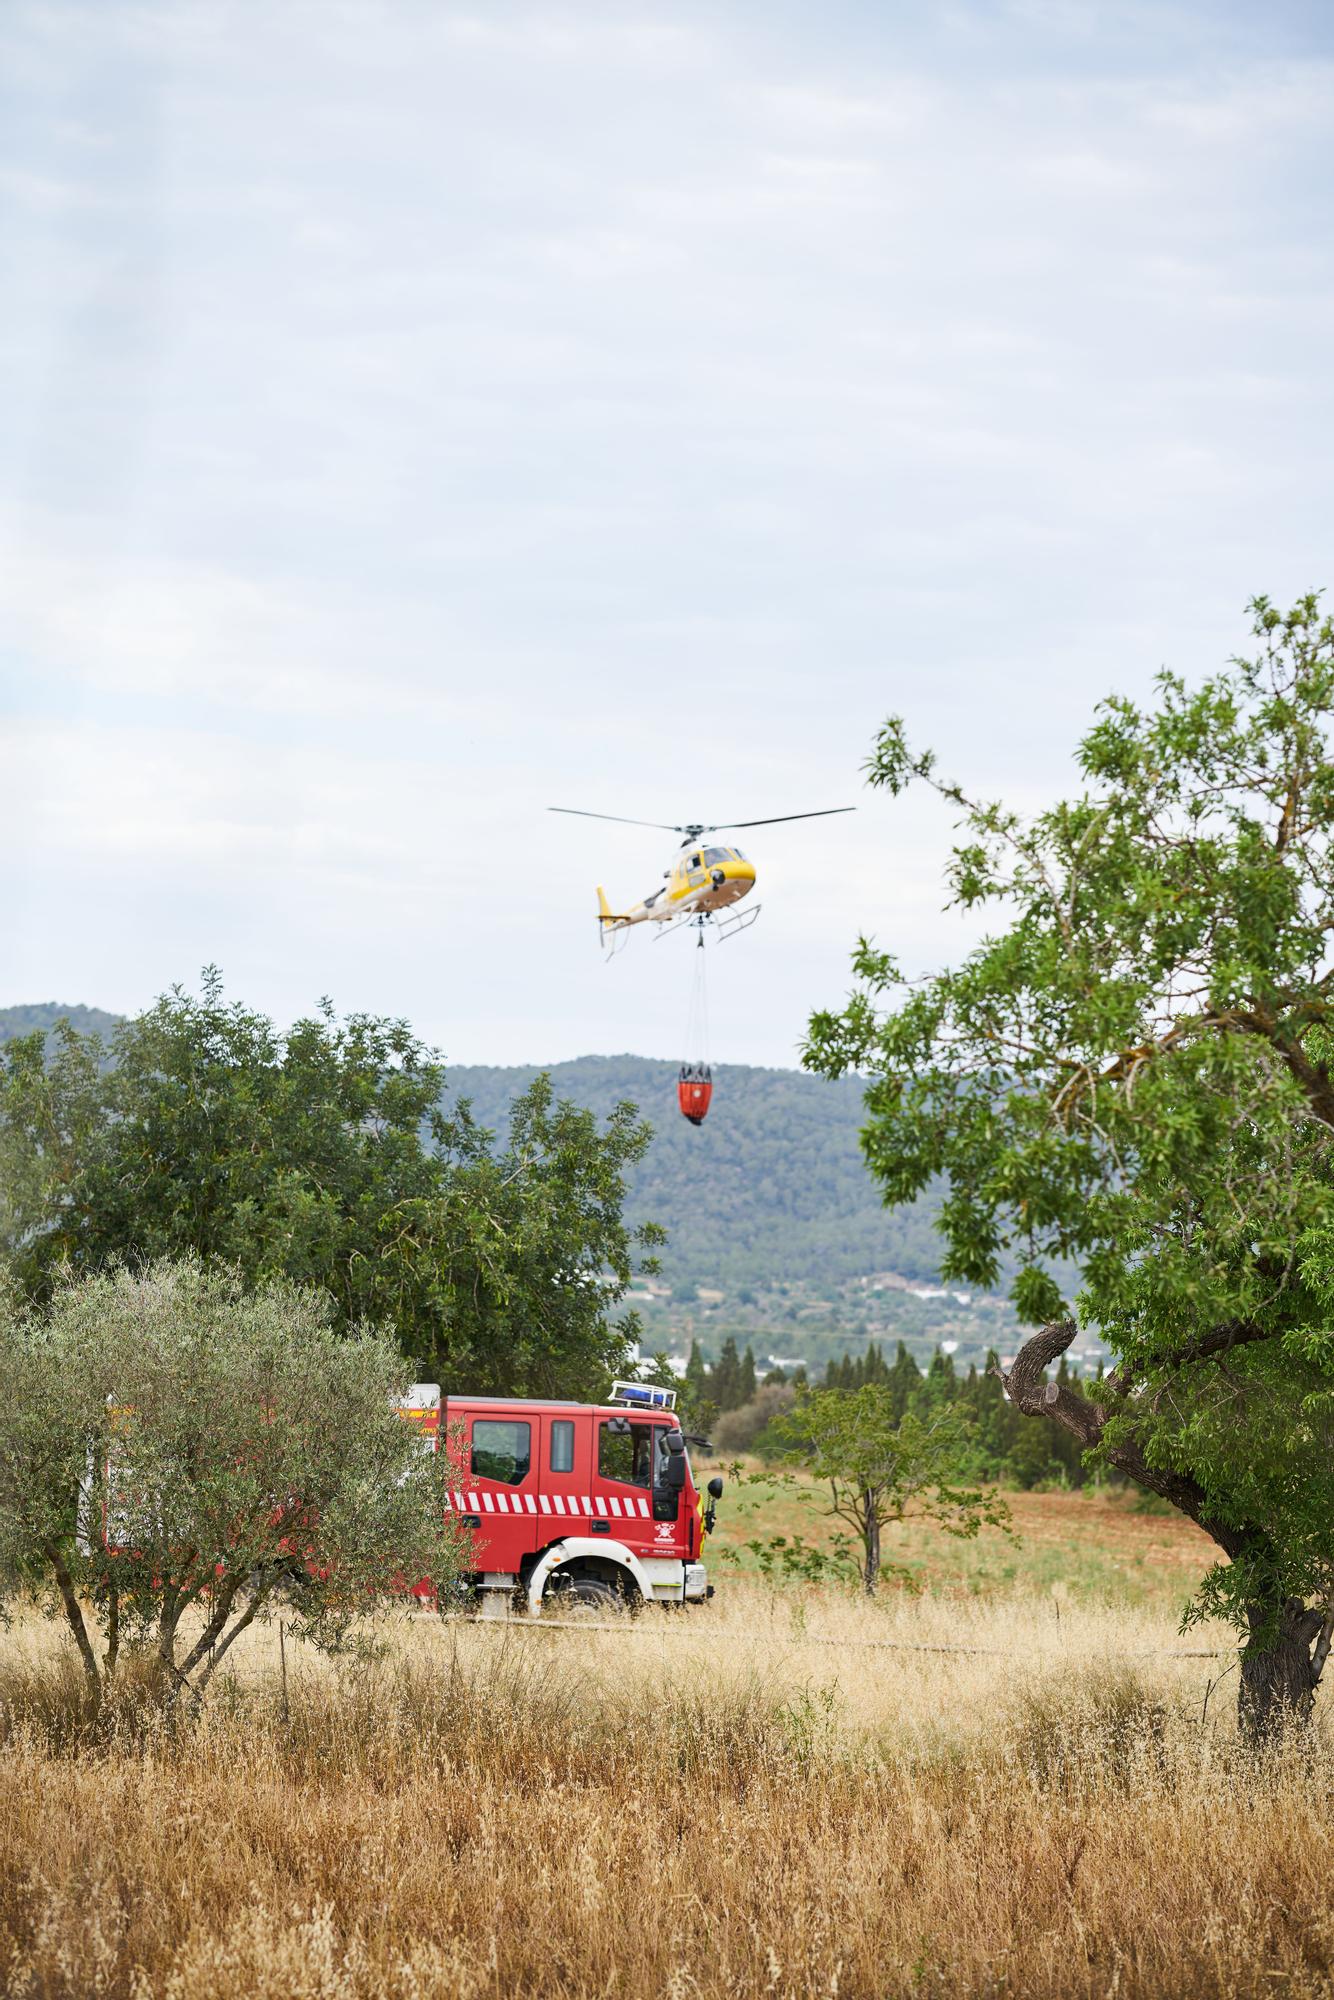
[(697, 1011)]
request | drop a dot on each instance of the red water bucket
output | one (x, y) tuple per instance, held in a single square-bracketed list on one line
[(694, 1091)]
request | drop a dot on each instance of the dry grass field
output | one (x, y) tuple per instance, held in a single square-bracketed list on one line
[(784, 1794), (1097, 1545)]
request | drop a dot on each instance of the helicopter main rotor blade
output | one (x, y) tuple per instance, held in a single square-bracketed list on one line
[(826, 812), (577, 812), (694, 828)]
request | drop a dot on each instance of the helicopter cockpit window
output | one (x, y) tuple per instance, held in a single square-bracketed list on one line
[(694, 861), (715, 856)]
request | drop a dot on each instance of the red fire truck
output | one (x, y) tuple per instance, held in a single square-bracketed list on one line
[(572, 1503)]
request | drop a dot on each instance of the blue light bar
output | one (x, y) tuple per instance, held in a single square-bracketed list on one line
[(643, 1395)]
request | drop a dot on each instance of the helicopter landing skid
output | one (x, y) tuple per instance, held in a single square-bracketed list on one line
[(721, 927), (732, 925)]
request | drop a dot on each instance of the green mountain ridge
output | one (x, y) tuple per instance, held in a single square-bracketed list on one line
[(775, 1228), (44, 1014), (771, 1189)]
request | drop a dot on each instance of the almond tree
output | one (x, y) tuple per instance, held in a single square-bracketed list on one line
[(321, 1155), (1135, 1070), (880, 1466)]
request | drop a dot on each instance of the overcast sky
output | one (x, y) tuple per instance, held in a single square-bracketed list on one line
[(417, 414)]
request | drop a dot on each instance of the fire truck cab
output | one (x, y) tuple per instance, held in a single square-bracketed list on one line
[(573, 1503)]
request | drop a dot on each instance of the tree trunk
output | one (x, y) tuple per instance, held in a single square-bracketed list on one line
[(1278, 1675), (113, 1632), (1284, 1655), (74, 1619), (871, 1542)]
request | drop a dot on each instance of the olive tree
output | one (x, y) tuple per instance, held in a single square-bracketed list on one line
[(880, 1466), (1134, 1071), (180, 1456)]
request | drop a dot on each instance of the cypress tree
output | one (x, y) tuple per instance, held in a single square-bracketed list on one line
[(874, 1368), (725, 1379), (942, 1384), (905, 1380)]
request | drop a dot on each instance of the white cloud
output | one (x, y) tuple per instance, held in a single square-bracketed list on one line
[(426, 415)]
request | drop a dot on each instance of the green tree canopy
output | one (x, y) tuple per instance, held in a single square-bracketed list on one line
[(879, 1465), (321, 1156), (1135, 1070)]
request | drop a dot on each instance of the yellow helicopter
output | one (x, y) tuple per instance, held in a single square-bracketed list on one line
[(702, 884)]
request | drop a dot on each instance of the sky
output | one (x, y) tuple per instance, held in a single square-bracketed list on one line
[(417, 415)]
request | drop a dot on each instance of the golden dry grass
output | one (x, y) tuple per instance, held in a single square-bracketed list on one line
[(767, 1797)]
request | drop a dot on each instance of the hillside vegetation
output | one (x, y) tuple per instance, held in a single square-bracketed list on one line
[(44, 1014), (772, 1189)]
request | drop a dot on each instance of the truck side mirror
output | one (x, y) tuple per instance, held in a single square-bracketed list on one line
[(716, 1487), (674, 1473)]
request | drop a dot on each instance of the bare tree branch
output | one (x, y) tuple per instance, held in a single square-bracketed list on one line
[(1029, 1390), (1220, 1339)]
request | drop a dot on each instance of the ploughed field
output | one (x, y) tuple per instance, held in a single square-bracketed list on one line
[(1013, 1783)]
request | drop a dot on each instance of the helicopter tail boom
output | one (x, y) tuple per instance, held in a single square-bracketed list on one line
[(606, 914)]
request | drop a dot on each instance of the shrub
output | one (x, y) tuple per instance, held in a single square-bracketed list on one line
[(743, 1429)]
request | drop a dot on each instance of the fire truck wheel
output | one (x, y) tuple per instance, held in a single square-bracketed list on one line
[(584, 1593)]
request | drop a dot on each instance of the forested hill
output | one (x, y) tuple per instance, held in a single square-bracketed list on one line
[(44, 1014), (771, 1188)]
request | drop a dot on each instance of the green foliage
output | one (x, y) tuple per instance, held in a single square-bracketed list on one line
[(750, 1427), (1000, 1445), (696, 1404), (879, 1464), (792, 1559), (1134, 1072), (788, 1198), (693, 1408), (173, 1445), (732, 1382), (850, 1372), (322, 1157)]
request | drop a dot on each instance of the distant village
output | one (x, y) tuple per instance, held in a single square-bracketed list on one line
[(793, 1325)]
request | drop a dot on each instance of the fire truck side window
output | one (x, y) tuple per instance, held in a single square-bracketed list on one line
[(501, 1450), (562, 1445), (626, 1455)]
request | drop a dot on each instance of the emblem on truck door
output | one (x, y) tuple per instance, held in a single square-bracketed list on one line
[(665, 1531)]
